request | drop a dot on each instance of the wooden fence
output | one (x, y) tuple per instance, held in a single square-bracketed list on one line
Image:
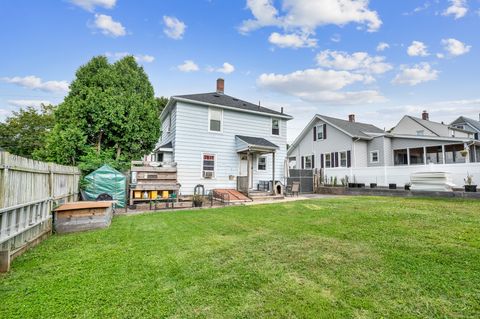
[(28, 191)]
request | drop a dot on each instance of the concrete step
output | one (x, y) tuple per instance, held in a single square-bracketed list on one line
[(266, 197)]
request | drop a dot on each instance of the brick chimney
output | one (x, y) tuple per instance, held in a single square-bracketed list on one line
[(351, 118), (220, 85), (425, 115)]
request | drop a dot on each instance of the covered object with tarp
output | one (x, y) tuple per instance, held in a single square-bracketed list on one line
[(106, 180)]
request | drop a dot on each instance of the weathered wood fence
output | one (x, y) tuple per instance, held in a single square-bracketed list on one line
[(28, 191)]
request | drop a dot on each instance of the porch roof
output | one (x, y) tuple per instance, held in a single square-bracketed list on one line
[(168, 147), (250, 143)]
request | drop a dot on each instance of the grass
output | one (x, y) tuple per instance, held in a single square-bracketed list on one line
[(361, 257)]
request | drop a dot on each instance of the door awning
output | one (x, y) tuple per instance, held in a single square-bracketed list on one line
[(254, 144)]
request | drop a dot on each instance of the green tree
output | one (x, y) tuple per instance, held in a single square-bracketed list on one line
[(161, 103), (25, 131), (110, 111)]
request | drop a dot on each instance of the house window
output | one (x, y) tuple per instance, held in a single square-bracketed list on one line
[(400, 157), (374, 157), (328, 160), (421, 132), (168, 123), (215, 116), (320, 129), (262, 163), (343, 159), (275, 127), (292, 162), (308, 162), (208, 166)]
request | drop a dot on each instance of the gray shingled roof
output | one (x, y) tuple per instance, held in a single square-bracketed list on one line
[(356, 129), (230, 101), (257, 141), (470, 121)]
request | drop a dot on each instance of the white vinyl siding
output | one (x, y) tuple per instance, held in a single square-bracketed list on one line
[(193, 138)]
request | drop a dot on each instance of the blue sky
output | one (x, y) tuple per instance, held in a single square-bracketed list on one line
[(377, 59)]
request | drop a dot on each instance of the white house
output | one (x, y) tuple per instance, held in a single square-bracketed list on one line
[(372, 155), (222, 142)]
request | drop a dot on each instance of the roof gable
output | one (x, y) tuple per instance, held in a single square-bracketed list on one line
[(473, 123)]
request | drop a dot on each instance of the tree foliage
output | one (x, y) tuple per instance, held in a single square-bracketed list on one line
[(25, 131), (110, 115)]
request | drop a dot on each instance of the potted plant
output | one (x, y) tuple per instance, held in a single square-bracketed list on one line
[(197, 200), (407, 186), (469, 187), (464, 152)]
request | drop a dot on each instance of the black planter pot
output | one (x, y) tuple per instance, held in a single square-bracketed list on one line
[(407, 187), (351, 185), (392, 186), (471, 188), (361, 185), (373, 185), (197, 204)]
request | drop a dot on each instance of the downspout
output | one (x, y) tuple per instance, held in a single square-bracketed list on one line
[(354, 157)]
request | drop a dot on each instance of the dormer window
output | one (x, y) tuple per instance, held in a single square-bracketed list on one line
[(275, 127)]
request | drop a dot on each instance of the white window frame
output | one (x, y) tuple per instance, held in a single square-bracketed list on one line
[(214, 165), (271, 128), (210, 116), (319, 129), (168, 120), (290, 160), (305, 163), (330, 160), (258, 163), (340, 159), (371, 156), (420, 132)]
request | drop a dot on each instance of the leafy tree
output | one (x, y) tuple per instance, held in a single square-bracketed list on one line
[(161, 103), (25, 131), (110, 111)]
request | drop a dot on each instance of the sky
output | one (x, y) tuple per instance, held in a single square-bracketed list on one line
[(376, 59)]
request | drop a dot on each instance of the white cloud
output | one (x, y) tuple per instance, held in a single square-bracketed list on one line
[(188, 66), (90, 5), (36, 83), (455, 47), (174, 28), (357, 61), (307, 15), (27, 103), (416, 74), (138, 57), (336, 38), (292, 40), (382, 46), (317, 85), (458, 9), (417, 48), (226, 68), (108, 26)]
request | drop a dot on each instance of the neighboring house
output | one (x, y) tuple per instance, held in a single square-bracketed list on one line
[(468, 124), (216, 140), (333, 143)]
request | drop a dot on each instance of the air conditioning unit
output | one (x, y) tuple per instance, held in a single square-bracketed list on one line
[(208, 174)]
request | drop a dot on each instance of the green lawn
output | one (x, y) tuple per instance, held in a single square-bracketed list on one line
[(362, 257)]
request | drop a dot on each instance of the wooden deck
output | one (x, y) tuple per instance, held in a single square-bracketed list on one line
[(232, 195)]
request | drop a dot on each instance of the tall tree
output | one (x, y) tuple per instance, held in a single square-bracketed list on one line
[(110, 111), (25, 131)]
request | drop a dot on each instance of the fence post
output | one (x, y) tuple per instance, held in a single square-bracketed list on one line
[(4, 260)]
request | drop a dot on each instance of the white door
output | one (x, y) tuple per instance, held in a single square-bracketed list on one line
[(244, 167)]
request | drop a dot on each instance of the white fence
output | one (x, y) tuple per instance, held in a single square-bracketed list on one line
[(400, 175), (28, 190)]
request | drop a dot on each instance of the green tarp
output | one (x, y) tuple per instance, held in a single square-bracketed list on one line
[(106, 180)]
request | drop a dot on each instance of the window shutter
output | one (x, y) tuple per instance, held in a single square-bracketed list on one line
[(313, 161), (303, 162), (332, 159), (336, 159), (324, 131), (314, 133), (349, 160), (322, 165)]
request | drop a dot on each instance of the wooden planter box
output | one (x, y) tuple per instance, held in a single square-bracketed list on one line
[(81, 216)]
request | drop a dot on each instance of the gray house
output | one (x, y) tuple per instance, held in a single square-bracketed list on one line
[(328, 142), (222, 142), (468, 124)]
